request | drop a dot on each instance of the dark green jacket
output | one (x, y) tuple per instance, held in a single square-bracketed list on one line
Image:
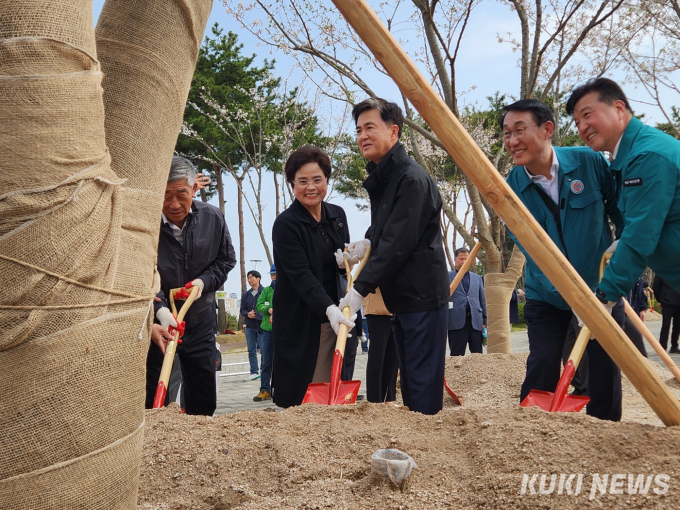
[(587, 197), (647, 168)]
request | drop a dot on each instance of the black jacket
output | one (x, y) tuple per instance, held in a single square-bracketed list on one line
[(300, 300), (664, 293), (248, 302), (207, 254), (407, 252)]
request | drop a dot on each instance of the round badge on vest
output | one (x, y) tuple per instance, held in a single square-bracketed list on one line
[(577, 187)]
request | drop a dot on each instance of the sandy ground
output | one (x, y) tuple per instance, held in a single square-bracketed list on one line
[(487, 453)]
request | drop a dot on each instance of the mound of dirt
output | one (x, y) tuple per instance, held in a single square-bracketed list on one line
[(488, 453)]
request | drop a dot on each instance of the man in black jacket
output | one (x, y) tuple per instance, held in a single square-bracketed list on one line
[(407, 257), (194, 249)]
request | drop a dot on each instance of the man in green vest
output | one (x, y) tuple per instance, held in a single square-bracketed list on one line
[(264, 306), (646, 163)]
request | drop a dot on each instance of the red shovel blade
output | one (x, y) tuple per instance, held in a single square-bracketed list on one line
[(450, 392), (159, 398), (558, 401), (544, 399), (319, 393), (334, 392)]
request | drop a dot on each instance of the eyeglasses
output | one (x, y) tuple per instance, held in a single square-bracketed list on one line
[(303, 183), (519, 132)]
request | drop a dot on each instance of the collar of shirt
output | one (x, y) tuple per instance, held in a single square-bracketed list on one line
[(550, 186), (616, 149), (176, 231)]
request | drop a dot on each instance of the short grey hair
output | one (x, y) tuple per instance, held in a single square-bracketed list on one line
[(182, 168)]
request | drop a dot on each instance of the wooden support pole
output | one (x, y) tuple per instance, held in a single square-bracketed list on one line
[(464, 268), (490, 184), (642, 328)]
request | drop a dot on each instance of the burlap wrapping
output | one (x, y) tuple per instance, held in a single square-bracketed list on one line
[(498, 289), (78, 242), (148, 51)]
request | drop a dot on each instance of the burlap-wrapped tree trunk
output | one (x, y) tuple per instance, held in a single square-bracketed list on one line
[(498, 289), (77, 244)]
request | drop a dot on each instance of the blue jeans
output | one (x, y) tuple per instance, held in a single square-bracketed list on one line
[(253, 340), (266, 355)]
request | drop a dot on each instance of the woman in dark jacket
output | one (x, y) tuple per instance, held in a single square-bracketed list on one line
[(306, 237)]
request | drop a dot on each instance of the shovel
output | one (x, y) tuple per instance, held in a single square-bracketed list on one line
[(451, 393), (560, 401), (179, 295), (336, 391)]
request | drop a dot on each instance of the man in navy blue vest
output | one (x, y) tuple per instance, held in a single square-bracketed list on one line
[(467, 309)]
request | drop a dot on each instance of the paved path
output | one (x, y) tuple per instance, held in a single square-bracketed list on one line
[(235, 394), (520, 343)]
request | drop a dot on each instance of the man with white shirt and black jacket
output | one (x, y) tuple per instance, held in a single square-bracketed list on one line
[(194, 249), (571, 192)]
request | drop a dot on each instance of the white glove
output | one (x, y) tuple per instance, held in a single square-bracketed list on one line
[(608, 306), (340, 259), (357, 249), (165, 317), (612, 247), (335, 317), (352, 299), (196, 283)]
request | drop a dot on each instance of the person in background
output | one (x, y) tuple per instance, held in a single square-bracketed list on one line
[(669, 299), (467, 309), (252, 320), (264, 306), (638, 302), (364, 339), (514, 308), (305, 238)]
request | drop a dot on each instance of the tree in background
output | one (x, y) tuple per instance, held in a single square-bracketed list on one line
[(242, 121), (549, 37), (226, 73)]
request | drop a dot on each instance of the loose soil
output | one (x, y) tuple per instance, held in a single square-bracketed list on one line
[(469, 456)]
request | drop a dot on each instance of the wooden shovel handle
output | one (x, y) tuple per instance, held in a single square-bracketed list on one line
[(464, 269), (580, 346), (170, 349), (343, 330), (637, 322), (351, 279), (187, 303)]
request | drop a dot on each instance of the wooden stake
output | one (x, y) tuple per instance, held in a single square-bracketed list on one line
[(464, 268), (507, 205), (642, 328)]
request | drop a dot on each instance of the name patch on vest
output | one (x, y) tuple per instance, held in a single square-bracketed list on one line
[(637, 181)]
